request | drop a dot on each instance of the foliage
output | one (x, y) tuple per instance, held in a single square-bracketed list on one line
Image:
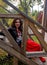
[(10, 21), (2, 10), (35, 38), (2, 3), (25, 5), (34, 15), (39, 2), (4, 60)]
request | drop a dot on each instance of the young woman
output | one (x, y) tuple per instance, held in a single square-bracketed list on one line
[(16, 30)]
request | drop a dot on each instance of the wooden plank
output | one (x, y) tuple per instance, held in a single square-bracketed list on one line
[(36, 54), (10, 38), (39, 36), (10, 16), (18, 55), (25, 31), (44, 18)]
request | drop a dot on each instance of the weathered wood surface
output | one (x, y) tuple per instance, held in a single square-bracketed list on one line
[(10, 16), (15, 53), (25, 31), (36, 54), (44, 18)]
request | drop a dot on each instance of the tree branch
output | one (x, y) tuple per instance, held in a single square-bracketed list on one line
[(21, 3), (5, 9), (29, 2)]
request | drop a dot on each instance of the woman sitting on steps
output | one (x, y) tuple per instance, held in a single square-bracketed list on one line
[(16, 32)]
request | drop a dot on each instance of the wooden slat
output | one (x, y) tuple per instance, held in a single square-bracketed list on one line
[(36, 54), (10, 16), (25, 31), (45, 14), (44, 18), (39, 36), (13, 52)]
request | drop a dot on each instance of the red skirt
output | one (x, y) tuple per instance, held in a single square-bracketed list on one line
[(32, 46)]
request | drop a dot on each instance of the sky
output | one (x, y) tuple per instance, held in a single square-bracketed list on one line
[(36, 7)]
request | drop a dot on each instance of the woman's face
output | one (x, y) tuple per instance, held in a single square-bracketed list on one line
[(17, 23)]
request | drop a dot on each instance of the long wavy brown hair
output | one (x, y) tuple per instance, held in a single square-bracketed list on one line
[(14, 21)]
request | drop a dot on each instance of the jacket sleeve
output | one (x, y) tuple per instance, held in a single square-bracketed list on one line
[(13, 33)]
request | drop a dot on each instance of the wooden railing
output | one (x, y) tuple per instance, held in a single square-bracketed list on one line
[(14, 49)]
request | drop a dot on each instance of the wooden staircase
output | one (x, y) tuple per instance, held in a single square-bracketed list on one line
[(14, 49)]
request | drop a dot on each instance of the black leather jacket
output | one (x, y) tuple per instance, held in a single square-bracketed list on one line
[(14, 34)]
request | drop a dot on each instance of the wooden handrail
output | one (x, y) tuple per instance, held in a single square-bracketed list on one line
[(32, 26), (10, 16)]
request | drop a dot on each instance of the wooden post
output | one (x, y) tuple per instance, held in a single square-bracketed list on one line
[(25, 31), (44, 19)]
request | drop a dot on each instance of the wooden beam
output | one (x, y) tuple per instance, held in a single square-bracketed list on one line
[(36, 54), (25, 31), (10, 16), (18, 55), (39, 36), (44, 19)]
